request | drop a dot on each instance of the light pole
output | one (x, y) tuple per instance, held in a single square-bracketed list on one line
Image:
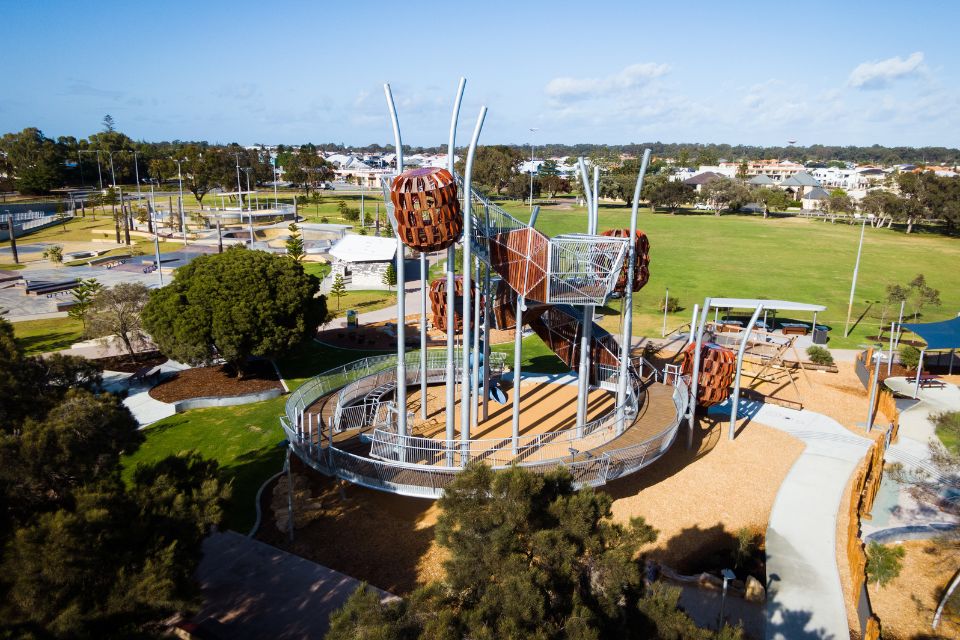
[(183, 224), (532, 131), (728, 575), (853, 285), (273, 161)]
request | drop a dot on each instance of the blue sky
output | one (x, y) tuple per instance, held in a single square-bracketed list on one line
[(601, 72)]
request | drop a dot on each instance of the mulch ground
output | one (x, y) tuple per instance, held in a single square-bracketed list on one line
[(219, 381), (127, 365)]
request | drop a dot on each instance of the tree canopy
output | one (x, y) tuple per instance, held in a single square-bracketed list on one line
[(81, 554), (529, 557), (234, 305)]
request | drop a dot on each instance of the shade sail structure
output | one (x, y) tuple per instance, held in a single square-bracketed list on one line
[(937, 335), (753, 303)]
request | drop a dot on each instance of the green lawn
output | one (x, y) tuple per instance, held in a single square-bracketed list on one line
[(41, 336), (362, 301), (948, 430), (786, 258)]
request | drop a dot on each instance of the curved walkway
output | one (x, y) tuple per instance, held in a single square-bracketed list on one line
[(805, 598)]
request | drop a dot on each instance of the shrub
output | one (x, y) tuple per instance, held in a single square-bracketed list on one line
[(909, 356), (819, 355), (673, 304)]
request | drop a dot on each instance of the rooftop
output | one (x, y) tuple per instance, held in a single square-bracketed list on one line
[(356, 248)]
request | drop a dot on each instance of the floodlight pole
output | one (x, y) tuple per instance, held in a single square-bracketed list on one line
[(467, 238), (666, 304), (735, 399), (273, 161), (695, 374), (183, 222), (401, 287), (451, 381), (239, 188), (853, 285), (136, 173), (627, 338)]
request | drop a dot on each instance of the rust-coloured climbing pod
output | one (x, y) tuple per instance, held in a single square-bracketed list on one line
[(426, 208), (641, 270), (717, 369), (438, 302)]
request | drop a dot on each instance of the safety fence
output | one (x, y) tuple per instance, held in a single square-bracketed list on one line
[(866, 483)]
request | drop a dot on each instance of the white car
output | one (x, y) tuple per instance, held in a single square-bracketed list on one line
[(703, 206)]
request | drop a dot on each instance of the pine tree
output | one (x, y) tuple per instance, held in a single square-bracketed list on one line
[(884, 563), (338, 290), (295, 243), (390, 275)]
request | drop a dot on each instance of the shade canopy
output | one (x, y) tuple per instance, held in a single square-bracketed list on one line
[(753, 303), (937, 335)]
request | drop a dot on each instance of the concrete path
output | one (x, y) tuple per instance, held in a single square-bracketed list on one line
[(804, 596), (145, 410)]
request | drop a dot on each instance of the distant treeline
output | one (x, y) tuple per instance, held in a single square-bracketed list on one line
[(712, 153)]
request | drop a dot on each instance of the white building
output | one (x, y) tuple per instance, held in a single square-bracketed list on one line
[(363, 260)]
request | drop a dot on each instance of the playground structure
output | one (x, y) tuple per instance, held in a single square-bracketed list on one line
[(377, 422)]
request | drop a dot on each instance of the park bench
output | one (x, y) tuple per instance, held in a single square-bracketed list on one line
[(791, 328), (931, 381)]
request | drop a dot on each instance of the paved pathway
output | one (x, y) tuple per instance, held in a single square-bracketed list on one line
[(805, 598)]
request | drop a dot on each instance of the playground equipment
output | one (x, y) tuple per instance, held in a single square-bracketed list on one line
[(357, 422), (717, 368)]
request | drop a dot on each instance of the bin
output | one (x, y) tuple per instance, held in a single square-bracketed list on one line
[(820, 335)]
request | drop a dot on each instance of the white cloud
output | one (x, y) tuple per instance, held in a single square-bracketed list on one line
[(632, 77), (872, 75)]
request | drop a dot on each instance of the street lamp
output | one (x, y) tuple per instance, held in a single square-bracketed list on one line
[(532, 131), (183, 224), (728, 575)]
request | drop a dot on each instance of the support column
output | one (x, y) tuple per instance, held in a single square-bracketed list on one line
[(467, 257), (586, 325), (487, 311), (873, 388), (916, 387), (693, 324), (401, 394), (627, 339), (423, 336), (451, 286), (517, 355), (475, 369), (695, 375), (735, 398)]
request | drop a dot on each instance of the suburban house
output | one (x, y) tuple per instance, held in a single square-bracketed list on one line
[(762, 180), (815, 199), (701, 179), (799, 184), (363, 260)]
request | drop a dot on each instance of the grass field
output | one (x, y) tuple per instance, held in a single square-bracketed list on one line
[(41, 336)]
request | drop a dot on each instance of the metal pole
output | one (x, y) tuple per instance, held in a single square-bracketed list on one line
[(735, 398), (423, 336), (627, 339), (695, 375), (451, 381), (586, 341), (487, 312), (853, 284), (156, 247), (693, 323), (517, 355), (183, 221), (475, 369), (916, 387), (873, 390), (890, 360), (532, 131), (13, 238), (136, 173), (467, 223), (239, 188), (275, 201), (666, 305), (900, 323), (401, 286), (286, 467), (99, 173)]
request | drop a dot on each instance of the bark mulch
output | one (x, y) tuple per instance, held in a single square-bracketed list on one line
[(127, 365), (218, 381)]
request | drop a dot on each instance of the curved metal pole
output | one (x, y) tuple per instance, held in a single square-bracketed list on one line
[(401, 286), (467, 223), (586, 183), (627, 338), (451, 286), (695, 375), (735, 398), (423, 336), (475, 368), (586, 331)]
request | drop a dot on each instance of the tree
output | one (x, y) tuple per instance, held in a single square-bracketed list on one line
[(201, 169), (528, 557), (338, 289), (494, 166), (117, 312), (108, 124), (53, 253), (909, 356), (234, 305), (772, 199), (83, 296), (922, 295), (884, 563), (390, 275), (81, 555), (724, 193), (839, 201), (34, 160), (660, 191), (295, 243)]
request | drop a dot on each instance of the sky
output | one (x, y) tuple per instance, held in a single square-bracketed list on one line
[(595, 72)]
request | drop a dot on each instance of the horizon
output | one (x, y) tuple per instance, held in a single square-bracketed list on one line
[(298, 72)]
